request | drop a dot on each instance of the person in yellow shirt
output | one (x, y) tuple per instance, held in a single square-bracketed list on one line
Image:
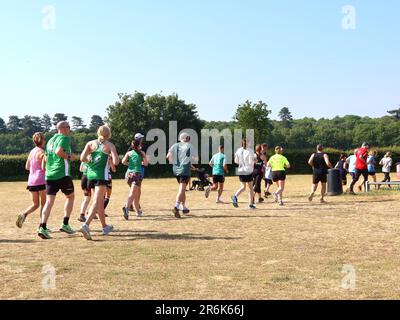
[(278, 164)]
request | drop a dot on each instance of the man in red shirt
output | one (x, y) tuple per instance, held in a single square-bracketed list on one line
[(361, 166)]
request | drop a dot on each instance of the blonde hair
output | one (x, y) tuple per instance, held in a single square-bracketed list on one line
[(103, 133), (388, 154), (38, 138)]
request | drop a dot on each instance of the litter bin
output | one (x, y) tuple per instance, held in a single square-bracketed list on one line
[(335, 186)]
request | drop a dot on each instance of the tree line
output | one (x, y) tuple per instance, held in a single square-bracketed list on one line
[(139, 112)]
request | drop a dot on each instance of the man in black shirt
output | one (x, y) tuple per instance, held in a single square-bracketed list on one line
[(320, 163)]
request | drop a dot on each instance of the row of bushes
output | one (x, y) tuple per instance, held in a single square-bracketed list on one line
[(12, 168)]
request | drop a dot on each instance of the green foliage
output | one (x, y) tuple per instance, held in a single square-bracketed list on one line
[(254, 116), (141, 113)]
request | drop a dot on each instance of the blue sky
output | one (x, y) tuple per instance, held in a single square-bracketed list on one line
[(215, 54)]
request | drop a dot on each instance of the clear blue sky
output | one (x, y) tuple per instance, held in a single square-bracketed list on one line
[(215, 54)]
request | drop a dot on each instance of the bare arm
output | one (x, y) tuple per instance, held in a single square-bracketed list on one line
[(328, 163), (44, 160), (311, 160), (86, 153), (28, 163), (126, 158), (144, 158), (62, 154), (114, 155)]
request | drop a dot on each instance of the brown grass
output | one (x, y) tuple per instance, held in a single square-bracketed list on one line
[(218, 252)]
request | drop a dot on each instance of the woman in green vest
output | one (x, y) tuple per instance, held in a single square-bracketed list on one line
[(134, 159), (97, 154)]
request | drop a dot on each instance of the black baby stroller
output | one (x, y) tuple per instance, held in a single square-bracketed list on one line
[(202, 182)]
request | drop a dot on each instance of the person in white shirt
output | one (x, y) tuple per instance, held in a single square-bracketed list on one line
[(244, 158), (386, 164)]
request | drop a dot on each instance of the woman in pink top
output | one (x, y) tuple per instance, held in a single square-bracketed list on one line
[(36, 180)]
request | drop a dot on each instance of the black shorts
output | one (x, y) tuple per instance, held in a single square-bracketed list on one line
[(135, 179), (84, 183), (371, 173), (64, 184), (278, 176), (218, 179), (36, 188), (246, 178), (320, 177), (183, 179), (97, 183), (268, 181)]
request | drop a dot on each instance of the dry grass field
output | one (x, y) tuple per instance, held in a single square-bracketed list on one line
[(217, 252)]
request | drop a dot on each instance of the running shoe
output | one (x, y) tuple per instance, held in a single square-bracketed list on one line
[(322, 201), (20, 220), (281, 203), (175, 210), (207, 193), (352, 193), (86, 232), (42, 232), (139, 214), (260, 200), (235, 201), (186, 211), (219, 201), (82, 218), (126, 213), (108, 229), (266, 193), (275, 197), (67, 229), (311, 197), (252, 207)]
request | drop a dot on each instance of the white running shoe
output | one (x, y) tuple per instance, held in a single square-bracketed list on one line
[(108, 229), (86, 232)]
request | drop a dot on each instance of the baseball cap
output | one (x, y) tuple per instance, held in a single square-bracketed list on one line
[(138, 136)]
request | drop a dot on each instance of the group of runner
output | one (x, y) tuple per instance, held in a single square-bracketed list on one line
[(49, 167)]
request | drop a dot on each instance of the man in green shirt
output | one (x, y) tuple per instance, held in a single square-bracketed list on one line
[(58, 159)]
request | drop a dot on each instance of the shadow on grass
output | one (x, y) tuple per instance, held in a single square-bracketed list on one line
[(16, 241), (166, 236)]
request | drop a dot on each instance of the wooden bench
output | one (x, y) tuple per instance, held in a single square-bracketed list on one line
[(369, 183)]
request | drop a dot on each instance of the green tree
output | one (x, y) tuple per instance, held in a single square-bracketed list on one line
[(14, 124), (95, 122), (286, 117), (140, 113), (3, 126), (395, 113), (30, 125), (45, 122), (254, 116), (78, 124), (59, 117)]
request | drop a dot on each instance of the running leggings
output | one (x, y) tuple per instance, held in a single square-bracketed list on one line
[(387, 177), (257, 178)]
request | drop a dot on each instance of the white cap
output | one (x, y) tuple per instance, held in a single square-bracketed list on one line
[(138, 136)]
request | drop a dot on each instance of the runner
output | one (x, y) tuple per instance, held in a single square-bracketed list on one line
[(258, 172), (36, 180), (341, 165), (244, 157), (134, 159), (58, 159), (350, 165), (98, 154), (371, 162), (219, 167), (320, 163), (386, 164), (361, 166), (267, 171), (278, 163), (181, 155)]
